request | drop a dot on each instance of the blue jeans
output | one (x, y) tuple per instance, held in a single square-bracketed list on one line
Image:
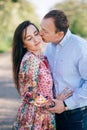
[(72, 120)]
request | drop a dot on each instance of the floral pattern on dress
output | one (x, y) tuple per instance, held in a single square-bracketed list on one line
[(34, 77)]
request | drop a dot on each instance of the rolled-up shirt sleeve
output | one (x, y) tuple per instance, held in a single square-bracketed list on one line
[(79, 97)]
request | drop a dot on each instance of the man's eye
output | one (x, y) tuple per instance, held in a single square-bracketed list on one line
[(45, 31)]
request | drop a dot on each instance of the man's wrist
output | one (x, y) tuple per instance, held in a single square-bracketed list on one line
[(65, 106)]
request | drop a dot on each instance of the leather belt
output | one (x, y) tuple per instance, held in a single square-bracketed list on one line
[(77, 110)]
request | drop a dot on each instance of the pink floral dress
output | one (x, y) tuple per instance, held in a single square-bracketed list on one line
[(34, 78)]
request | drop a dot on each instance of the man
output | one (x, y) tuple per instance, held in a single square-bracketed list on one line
[(67, 56)]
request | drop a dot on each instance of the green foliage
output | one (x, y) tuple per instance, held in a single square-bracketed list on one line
[(13, 12), (76, 11), (14, 0)]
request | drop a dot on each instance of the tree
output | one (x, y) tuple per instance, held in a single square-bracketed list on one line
[(13, 12), (14, 0), (76, 11)]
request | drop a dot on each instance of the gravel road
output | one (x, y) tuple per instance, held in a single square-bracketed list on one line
[(9, 98)]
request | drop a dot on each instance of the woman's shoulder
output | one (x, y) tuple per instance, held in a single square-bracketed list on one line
[(28, 55), (30, 59)]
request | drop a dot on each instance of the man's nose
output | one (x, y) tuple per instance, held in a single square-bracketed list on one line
[(41, 33)]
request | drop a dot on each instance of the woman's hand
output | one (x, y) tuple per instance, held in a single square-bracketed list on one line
[(65, 94)]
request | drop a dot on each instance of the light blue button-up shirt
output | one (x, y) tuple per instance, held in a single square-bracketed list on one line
[(68, 63)]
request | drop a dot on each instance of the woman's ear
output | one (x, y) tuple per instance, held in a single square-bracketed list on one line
[(23, 43), (24, 46)]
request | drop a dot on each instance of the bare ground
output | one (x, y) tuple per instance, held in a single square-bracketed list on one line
[(9, 98)]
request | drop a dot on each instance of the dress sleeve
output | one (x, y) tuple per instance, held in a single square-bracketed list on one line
[(28, 78)]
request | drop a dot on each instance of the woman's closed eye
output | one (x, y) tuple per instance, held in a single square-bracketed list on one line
[(36, 33), (28, 39)]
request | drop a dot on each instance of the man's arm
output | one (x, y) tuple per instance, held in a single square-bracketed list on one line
[(59, 107)]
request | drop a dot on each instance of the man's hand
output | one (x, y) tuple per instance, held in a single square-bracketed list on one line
[(66, 93), (59, 107)]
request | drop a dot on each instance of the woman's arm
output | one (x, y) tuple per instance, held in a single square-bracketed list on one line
[(28, 78)]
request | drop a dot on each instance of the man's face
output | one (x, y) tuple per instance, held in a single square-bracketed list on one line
[(48, 31)]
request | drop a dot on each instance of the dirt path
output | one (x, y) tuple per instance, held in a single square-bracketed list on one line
[(9, 98)]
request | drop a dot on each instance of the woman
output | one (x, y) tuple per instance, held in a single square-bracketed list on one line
[(33, 80)]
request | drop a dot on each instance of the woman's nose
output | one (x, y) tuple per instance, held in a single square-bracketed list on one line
[(35, 39)]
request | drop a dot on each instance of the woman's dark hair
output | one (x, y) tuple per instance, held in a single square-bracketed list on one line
[(18, 50), (60, 20)]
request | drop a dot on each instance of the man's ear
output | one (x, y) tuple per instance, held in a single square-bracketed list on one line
[(60, 35)]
